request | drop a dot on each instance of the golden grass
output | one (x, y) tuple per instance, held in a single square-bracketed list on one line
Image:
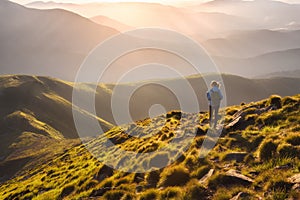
[(73, 175)]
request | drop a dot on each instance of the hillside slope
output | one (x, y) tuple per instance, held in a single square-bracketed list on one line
[(36, 121), (44, 99), (293, 73), (103, 20), (257, 156), (149, 93), (36, 112)]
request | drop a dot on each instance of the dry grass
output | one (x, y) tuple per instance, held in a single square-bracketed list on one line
[(271, 141)]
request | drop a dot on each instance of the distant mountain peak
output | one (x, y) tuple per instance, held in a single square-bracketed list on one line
[(48, 3)]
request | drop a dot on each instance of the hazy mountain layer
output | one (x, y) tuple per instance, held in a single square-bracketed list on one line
[(46, 42), (268, 14), (245, 44), (54, 47), (277, 61)]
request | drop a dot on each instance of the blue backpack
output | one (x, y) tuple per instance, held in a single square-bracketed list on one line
[(215, 98)]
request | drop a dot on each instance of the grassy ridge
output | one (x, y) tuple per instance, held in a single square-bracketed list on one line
[(36, 122), (257, 155)]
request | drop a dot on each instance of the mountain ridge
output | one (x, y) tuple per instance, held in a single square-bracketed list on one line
[(233, 85), (260, 65), (245, 44)]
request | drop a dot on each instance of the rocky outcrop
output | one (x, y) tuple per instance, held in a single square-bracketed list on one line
[(206, 177), (240, 195), (236, 178)]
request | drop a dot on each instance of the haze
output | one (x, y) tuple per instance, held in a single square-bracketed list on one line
[(240, 42), (170, 2)]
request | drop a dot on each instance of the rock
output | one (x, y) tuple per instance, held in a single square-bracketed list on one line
[(233, 123), (205, 178), (237, 156), (235, 177), (241, 195), (296, 187), (228, 179), (241, 119), (295, 179), (287, 166), (238, 123), (254, 173)]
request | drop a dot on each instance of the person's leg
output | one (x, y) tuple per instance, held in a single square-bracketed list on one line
[(210, 115), (216, 115)]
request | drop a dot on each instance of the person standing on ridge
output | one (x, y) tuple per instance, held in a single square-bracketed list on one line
[(214, 97)]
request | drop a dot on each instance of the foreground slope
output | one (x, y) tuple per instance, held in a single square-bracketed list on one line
[(36, 112), (257, 156)]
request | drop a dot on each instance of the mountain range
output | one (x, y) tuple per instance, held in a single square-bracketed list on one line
[(245, 44), (58, 51), (205, 24), (257, 66), (279, 15), (49, 42), (267, 13)]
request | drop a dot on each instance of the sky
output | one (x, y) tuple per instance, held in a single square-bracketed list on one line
[(85, 1), (170, 2)]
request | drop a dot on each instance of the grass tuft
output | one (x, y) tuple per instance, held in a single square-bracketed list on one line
[(176, 176), (267, 150), (149, 195), (194, 191)]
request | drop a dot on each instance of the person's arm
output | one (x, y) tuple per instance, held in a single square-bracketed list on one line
[(208, 96), (221, 95)]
